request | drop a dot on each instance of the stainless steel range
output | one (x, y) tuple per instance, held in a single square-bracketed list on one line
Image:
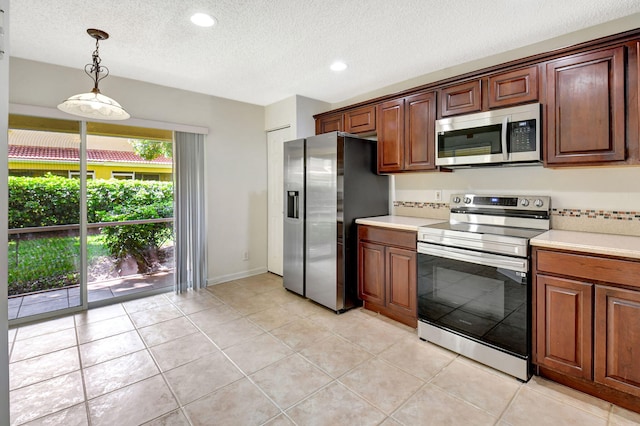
[(474, 285)]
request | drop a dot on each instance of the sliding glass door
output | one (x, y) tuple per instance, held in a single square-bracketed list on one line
[(44, 252), (129, 211), (87, 220)]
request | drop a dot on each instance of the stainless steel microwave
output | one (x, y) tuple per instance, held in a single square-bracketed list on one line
[(508, 135)]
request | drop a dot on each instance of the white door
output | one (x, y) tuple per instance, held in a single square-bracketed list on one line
[(275, 140)]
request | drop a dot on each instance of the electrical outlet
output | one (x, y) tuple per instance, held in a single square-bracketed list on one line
[(245, 255), (438, 195)]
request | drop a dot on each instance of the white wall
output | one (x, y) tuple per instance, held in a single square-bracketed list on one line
[(280, 114), (235, 152), (603, 188), (4, 166), (296, 112), (306, 108)]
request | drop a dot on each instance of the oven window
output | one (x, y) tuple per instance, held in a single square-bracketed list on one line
[(484, 303), (483, 140)]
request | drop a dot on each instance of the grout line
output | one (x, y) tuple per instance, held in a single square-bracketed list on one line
[(231, 361), (80, 364)]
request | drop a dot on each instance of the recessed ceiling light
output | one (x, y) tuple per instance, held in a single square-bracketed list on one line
[(338, 66), (203, 20)]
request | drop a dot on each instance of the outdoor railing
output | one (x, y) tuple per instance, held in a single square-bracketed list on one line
[(70, 227)]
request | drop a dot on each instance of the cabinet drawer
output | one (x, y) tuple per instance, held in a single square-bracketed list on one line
[(360, 120), (389, 237), (590, 268)]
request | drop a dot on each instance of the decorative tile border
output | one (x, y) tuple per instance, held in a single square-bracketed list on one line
[(585, 220), (420, 205), (596, 214)]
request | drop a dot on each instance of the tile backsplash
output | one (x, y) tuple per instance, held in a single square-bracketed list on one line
[(587, 220)]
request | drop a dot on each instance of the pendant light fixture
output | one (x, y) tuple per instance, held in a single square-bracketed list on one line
[(94, 104)]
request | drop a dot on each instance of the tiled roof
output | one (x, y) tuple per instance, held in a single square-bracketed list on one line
[(71, 154)]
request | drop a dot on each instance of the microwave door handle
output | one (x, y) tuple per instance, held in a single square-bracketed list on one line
[(505, 153)]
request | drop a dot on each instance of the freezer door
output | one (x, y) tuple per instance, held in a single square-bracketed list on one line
[(321, 221), (293, 227)]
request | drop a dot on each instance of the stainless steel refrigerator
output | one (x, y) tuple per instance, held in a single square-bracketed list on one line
[(329, 181)]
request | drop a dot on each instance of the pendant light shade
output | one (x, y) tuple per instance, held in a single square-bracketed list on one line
[(94, 104)]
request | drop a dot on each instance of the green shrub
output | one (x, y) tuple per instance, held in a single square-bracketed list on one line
[(105, 195), (142, 242), (55, 200), (39, 262), (43, 201)]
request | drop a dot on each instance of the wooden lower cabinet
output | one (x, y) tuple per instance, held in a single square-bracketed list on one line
[(617, 343), (371, 278), (563, 321), (387, 272), (401, 278), (587, 323)]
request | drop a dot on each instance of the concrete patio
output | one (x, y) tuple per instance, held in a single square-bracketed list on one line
[(53, 300)]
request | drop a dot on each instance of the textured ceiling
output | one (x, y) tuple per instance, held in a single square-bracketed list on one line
[(262, 51)]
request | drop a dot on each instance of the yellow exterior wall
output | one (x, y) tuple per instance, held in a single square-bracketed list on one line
[(101, 171)]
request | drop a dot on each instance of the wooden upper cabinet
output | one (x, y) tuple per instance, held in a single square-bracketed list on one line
[(406, 133), (513, 87), (420, 121), (391, 136), (585, 112), (329, 123), (461, 98), (617, 339), (563, 323), (360, 120)]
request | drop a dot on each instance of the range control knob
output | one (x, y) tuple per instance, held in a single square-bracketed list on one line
[(456, 200), (538, 203), (524, 202), (467, 200)]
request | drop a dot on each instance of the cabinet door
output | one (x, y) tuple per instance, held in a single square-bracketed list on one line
[(461, 98), (586, 108), (371, 272), (564, 325), (391, 136), (420, 132), (360, 120), (617, 339), (513, 87), (401, 281), (329, 123)]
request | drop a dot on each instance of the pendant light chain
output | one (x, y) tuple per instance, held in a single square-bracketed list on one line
[(93, 70)]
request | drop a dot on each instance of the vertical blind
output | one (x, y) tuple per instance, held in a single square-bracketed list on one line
[(190, 227)]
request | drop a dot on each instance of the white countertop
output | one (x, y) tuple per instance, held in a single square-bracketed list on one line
[(398, 222), (589, 242)]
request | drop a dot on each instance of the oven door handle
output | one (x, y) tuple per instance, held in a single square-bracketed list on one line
[(487, 259)]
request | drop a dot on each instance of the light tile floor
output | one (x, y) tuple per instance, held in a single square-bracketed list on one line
[(248, 352)]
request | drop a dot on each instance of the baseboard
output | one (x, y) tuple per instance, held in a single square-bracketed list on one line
[(230, 277)]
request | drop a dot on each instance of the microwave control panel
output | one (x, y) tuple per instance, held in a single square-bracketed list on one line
[(522, 136)]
